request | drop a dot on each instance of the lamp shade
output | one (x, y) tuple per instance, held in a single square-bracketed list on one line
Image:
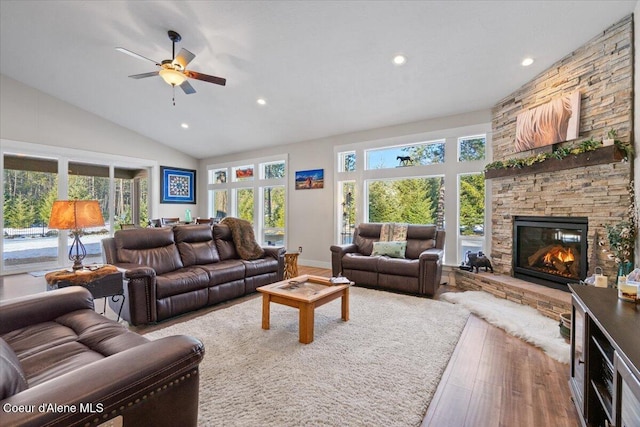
[(75, 214), (172, 77)]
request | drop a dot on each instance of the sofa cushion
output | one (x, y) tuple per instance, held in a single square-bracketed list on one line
[(49, 349), (365, 236), (151, 247), (356, 261), (195, 244), (224, 242), (12, 378), (225, 271), (260, 266), (419, 239), (181, 281), (399, 267), (391, 249)]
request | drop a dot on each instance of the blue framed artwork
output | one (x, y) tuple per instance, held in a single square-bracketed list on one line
[(177, 185)]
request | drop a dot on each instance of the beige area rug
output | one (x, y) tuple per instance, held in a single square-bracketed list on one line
[(518, 320), (380, 368)]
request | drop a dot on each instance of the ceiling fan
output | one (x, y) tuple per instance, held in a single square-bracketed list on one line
[(173, 71)]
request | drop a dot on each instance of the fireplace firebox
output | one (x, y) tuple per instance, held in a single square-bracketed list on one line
[(550, 251)]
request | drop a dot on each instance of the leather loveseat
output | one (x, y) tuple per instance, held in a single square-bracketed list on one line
[(175, 270), (63, 364), (419, 272)]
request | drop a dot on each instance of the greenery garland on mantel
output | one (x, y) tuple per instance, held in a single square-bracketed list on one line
[(559, 154)]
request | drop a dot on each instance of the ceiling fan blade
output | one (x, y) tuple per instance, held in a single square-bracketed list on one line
[(136, 55), (143, 75), (184, 57), (206, 78), (187, 88)]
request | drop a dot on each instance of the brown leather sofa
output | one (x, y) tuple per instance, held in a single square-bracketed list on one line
[(419, 273), (175, 270), (63, 364)]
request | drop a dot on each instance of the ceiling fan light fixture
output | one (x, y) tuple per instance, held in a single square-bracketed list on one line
[(172, 77)]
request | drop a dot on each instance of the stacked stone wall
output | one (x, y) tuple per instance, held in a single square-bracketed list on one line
[(602, 70)]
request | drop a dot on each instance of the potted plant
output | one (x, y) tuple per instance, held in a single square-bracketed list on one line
[(610, 138)]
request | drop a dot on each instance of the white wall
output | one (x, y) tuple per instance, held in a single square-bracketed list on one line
[(311, 213), (29, 115)]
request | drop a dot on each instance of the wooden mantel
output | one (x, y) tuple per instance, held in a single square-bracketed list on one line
[(610, 154)]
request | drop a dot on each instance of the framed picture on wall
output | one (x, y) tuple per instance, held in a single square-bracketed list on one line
[(555, 121), (177, 185), (310, 179)]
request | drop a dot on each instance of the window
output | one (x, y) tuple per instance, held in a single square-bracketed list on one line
[(32, 182), (404, 181), (272, 170), (411, 200), (347, 161), (244, 204), (242, 173), (258, 192), (348, 211), (219, 203), (410, 155), (30, 188), (471, 148), (273, 214), (471, 214)]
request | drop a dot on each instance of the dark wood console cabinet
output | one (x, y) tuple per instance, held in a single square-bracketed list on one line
[(605, 346)]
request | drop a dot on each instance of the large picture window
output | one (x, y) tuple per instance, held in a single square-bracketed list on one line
[(411, 200), (435, 179), (32, 182)]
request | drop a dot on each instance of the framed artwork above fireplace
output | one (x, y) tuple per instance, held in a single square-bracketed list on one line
[(555, 121)]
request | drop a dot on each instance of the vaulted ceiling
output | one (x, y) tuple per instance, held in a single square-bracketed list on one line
[(324, 67)]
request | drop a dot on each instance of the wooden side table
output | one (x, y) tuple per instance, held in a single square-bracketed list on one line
[(290, 265), (103, 282)]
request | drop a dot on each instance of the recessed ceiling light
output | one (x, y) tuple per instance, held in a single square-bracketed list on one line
[(184, 126), (261, 101), (527, 61), (399, 60)]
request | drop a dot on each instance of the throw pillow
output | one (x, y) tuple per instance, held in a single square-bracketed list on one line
[(390, 249)]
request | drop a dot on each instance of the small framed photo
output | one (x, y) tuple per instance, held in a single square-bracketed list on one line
[(177, 185), (310, 179)]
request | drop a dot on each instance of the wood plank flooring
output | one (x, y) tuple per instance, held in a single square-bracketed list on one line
[(492, 380)]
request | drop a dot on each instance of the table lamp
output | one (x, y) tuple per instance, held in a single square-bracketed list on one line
[(75, 215)]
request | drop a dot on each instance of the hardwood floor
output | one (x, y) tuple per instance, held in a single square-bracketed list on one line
[(493, 379)]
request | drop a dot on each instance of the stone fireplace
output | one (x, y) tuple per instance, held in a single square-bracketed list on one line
[(549, 250), (578, 186)]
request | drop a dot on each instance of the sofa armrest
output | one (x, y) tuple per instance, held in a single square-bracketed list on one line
[(141, 294), (42, 307), (430, 272), (337, 252), (276, 252), (432, 254), (153, 384)]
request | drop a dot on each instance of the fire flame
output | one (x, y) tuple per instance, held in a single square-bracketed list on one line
[(560, 254)]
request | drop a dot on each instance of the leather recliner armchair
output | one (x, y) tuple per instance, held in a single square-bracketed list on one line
[(63, 364), (419, 273)]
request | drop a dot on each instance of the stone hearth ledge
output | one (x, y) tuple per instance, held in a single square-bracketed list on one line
[(548, 301)]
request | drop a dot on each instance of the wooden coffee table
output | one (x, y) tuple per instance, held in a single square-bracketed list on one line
[(304, 293)]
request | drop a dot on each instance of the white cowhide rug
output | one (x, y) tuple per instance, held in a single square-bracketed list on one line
[(518, 320)]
